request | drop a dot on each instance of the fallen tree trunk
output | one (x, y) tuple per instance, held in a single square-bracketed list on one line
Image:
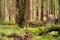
[(50, 29)]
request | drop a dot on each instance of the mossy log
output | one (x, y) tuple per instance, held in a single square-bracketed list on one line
[(50, 29)]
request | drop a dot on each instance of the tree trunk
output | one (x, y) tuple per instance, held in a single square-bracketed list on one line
[(6, 11), (12, 10), (3, 10), (59, 11)]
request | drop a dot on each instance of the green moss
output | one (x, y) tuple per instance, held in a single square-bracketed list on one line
[(34, 31), (9, 23)]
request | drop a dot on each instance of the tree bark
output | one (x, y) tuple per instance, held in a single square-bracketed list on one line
[(12, 10)]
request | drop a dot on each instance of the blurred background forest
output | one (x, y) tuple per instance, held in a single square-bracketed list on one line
[(31, 11), (36, 19)]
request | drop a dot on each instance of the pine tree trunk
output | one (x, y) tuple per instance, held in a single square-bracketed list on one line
[(59, 11), (6, 11), (39, 10), (12, 10), (3, 10)]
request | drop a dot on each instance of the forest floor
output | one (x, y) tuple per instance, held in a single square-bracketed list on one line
[(6, 30)]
